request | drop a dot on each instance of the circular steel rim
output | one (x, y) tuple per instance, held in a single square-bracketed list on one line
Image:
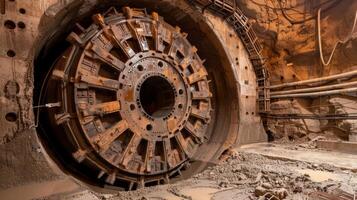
[(198, 92)]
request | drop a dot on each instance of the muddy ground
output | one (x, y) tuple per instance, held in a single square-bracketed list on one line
[(245, 175)]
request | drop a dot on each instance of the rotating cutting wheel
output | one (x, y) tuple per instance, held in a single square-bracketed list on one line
[(135, 100)]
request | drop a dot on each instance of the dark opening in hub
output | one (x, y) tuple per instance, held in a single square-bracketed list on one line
[(157, 97)]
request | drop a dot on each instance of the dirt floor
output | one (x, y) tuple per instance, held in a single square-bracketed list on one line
[(259, 171)]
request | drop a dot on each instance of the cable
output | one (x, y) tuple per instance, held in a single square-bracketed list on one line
[(338, 42), (48, 105), (288, 18), (291, 21)]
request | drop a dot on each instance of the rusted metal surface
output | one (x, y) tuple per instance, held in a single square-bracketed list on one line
[(135, 97), (229, 10)]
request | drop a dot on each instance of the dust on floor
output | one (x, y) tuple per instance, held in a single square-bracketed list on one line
[(246, 176)]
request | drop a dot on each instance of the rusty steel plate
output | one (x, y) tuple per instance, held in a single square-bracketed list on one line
[(135, 97)]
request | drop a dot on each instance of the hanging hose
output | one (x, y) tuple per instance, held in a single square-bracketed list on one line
[(338, 42)]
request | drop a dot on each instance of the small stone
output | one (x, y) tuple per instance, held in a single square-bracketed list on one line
[(267, 185), (259, 176), (259, 191), (223, 184), (242, 177), (237, 169), (297, 189), (315, 165), (282, 193)]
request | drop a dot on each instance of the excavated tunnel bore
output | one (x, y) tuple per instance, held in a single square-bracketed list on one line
[(139, 107)]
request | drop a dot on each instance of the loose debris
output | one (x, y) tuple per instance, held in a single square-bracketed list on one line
[(252, 176)]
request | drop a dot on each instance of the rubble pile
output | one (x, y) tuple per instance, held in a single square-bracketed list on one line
[(261, 175), (252, 176)]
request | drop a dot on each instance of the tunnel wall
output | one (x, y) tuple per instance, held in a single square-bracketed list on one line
[(290, 40), (250, 128)]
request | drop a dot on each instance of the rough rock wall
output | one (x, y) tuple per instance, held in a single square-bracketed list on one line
[(288, 30), (341, 105), (289, 34), (22, 160), (294, 129)]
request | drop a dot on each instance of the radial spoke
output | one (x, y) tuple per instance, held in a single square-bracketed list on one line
[(185, 62), (103, 140), (199, 95), (156, 33), (130, 150), (197, 76), (107, 57), (182, 143), (192, 130), (203, 91), (203, 112), (124, 46), (154, 30), (173, 45), (102, 108), (188, 58), (150, 149), (115, 35), (103, 42), (100, 82), (171, 155), (134, 27), (167, 152), (89, 66)]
